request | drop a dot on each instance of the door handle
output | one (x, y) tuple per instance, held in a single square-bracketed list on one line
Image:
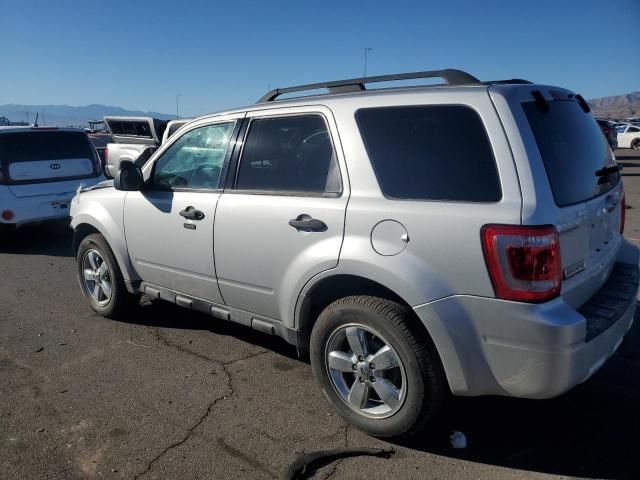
[(305, 223), (191, 213)]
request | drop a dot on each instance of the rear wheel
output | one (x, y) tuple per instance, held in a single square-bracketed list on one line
[(6, 231), (636, 144), (378, 370), (100, 278)]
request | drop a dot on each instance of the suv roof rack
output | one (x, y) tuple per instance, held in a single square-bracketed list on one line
[(450, 76)]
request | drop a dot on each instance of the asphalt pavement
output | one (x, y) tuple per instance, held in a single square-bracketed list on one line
[(172, 394)]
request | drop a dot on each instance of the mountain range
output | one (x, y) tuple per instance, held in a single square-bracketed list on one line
[(617, 107), (65, 115)]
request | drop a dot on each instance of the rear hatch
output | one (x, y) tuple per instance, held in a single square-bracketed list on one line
[(576, 185), (41, 162)]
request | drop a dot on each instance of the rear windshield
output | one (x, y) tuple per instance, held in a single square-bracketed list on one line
[(431, 152), (44, 146), (573, 149)]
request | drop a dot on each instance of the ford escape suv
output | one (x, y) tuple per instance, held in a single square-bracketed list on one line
[(40, 170), (463, 238)]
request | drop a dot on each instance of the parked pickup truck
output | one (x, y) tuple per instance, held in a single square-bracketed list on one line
[(131, 137)]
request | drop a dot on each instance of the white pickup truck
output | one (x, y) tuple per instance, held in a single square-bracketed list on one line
[(136, 138)]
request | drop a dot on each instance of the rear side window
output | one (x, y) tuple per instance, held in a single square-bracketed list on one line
[(289, 154), (44, 146), (573, 149), (438, 152)]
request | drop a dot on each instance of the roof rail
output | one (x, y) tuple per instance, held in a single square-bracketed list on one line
[(449, 75)]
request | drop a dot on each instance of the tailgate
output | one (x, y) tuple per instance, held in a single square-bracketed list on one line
[(575, 184)]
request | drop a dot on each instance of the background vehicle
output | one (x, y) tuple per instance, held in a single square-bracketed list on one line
[(628, 136), (173, 126), (609, 132), (131, 136), (462, 238), (40, 171)]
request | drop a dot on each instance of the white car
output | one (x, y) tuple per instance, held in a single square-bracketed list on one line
[(628, 136), (40, 170)]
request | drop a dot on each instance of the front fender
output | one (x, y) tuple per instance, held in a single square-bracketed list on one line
[(104, 212)]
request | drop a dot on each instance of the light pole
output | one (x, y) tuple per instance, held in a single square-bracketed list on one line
[(177, 99), (365, 60)]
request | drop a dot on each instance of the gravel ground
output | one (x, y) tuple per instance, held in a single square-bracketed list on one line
[(170, 394)]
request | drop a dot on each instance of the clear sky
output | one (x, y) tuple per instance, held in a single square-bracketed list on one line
[(140, 54)]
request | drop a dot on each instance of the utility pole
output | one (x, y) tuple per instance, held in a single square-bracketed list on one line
[(177, 104), (366, 50)]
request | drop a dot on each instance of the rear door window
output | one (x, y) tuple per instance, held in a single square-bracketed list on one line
[(289, 154), (435, 152), (573, 149)]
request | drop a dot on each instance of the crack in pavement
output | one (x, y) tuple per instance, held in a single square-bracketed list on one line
[(195, 425), (339, 461), (161, 339)]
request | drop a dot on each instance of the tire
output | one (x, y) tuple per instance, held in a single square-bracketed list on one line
[(636, 144), (418, 384), (6, 232), (95, 254)]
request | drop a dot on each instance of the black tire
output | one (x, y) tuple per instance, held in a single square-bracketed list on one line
[(120, 301), (636, 144), (426, 386), (6, 232)]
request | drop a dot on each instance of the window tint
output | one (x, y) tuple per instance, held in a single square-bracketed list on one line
[(195, 159), (430, 153), (633, 129), (291, 154), (572, 149), (131, 128), (43, 145)]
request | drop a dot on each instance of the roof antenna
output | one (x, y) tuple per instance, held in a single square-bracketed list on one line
[(35, 123)]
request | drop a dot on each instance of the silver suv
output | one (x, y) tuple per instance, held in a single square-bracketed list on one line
[(462, 238)]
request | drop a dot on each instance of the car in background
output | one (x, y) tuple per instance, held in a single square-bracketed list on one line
[(609, 132), (628, 136), (131, 137), (100, 142), (172, 127), (40, 170)]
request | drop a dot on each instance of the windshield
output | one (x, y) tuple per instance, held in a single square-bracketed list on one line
[(573, 149)]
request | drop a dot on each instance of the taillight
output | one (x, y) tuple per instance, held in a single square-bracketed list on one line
[(106, 155), (7, 215), (523, 261), (623, 214)]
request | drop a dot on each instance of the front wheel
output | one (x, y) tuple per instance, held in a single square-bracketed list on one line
[(100, 278), (380, 372), (636, 144)]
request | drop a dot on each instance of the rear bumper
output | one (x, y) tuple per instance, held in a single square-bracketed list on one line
[(496, 347), (39, 208)]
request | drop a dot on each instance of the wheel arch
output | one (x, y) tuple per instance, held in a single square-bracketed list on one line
[(84, 227), (328, 289)]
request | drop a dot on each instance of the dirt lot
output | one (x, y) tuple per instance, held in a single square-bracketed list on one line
[(170, 394)]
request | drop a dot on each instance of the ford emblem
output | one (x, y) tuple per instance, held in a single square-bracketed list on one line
[(55, 166)]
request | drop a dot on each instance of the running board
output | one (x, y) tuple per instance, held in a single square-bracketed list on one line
[(224, 312)]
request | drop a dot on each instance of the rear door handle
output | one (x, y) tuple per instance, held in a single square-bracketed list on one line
[(305, 223), (191, 213)]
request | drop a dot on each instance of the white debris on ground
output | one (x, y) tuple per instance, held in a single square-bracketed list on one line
[(458, 440)]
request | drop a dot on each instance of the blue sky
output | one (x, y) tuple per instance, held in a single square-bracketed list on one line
[(140, 54)]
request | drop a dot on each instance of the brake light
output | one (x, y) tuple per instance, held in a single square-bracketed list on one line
[(523, 261), (106, 154), (7, 215), (623, 213)]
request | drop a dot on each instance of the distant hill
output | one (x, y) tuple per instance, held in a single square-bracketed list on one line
[(65, 115), (618, 107)]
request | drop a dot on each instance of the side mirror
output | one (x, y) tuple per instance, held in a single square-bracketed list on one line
[(129, 178)]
